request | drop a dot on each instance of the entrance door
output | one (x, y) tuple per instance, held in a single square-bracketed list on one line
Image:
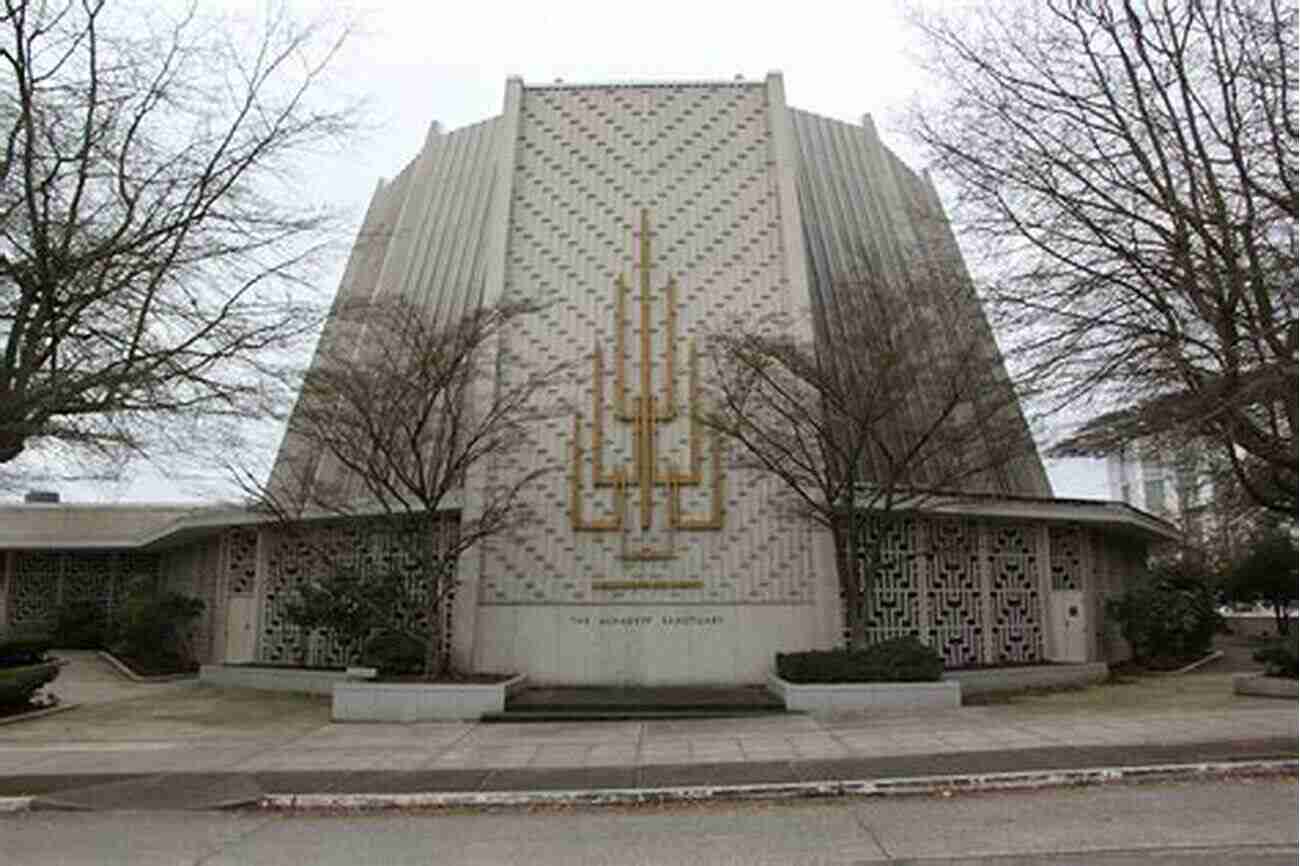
[(241, 629), (1069, 620)]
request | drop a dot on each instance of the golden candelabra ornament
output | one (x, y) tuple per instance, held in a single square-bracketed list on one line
[(647, 413)]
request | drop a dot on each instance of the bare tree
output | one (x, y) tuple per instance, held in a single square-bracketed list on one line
[(898, 408), (152, 245), (1133, 166), (402, 418)]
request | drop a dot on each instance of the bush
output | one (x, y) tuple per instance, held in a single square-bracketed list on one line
[(903, 659), (394, 654), (1166, 621), (80, 625), (16, 653), (24, 668), (155, 629), (1279, 659)]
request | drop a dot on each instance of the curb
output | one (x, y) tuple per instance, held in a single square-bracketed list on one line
[(944, 786), (38, 714), (122, 668), (1185, 669)]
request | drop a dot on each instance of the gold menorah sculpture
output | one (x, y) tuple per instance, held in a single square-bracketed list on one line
[(647, 413)]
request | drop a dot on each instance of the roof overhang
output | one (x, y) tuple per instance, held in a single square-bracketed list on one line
[(1118, 517), (150, 527)]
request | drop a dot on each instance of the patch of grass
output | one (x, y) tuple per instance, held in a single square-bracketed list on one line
[(1130, 692), (988, 699)]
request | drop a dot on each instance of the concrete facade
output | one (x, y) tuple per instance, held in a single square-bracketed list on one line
[(643, 217)]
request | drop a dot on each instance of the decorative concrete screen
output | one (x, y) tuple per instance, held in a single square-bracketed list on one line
[(977, 590), (42, 581), (313, 551)]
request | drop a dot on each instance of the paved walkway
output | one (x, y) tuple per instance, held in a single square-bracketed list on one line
[(88, 679), (182, 735)]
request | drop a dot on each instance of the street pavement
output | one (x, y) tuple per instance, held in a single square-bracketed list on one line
[(1233, 821), (184, 745)]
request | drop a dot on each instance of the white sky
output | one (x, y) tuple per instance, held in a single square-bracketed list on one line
[(418, 61)]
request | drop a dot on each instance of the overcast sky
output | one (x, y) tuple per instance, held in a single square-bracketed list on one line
[(418, 61)]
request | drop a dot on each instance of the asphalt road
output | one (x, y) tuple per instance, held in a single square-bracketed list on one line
[(1248, 821)]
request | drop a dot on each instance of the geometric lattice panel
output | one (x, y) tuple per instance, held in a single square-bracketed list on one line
[(893, 604), (44, 580), (968, 589), (240, 547), (35, 589), (1016, 627), (1066, 560), (306, 552), (954, 592)]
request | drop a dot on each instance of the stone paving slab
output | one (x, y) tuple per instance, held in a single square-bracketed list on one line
[(210, 790)]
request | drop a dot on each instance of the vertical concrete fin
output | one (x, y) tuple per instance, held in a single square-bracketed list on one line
[(498, 222), (785, 166)]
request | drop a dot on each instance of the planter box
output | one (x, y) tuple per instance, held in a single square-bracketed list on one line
[(356, 701), (1265, 687), (835, 698), (272, 679), (993, 681)]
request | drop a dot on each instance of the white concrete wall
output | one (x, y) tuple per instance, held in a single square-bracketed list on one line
[(646, 644)]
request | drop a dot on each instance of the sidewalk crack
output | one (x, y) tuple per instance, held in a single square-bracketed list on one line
[(427, 765), (238, 840), (871, 834)]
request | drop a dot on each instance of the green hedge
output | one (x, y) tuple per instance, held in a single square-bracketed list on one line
[(21, 653), (17, 685), (24, 668), (900, 660)]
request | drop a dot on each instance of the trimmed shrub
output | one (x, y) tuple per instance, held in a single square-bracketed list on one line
[(394, 654), (1279, 658), (24, 668), (19, 653), (1166, 622), (899, 660)]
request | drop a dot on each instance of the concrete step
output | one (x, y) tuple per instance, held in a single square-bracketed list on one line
[(626, 714), (623, 703)]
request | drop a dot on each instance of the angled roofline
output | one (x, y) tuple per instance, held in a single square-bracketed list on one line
[(198, 521)]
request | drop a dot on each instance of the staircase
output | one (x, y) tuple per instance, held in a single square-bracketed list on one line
[(629, 703)]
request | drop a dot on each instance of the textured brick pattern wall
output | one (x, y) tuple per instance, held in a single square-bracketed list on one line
[(698, 159)]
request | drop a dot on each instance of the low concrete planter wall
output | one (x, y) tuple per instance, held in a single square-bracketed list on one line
[(983, 682), (420, 702), (1265, 687), (272, 679), (834, 698)]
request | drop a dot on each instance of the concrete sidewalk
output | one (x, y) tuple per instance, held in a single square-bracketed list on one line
[(183, 737)]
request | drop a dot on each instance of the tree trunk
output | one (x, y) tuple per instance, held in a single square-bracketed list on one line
[(437, 661), (847, 572), (1279, 611)]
